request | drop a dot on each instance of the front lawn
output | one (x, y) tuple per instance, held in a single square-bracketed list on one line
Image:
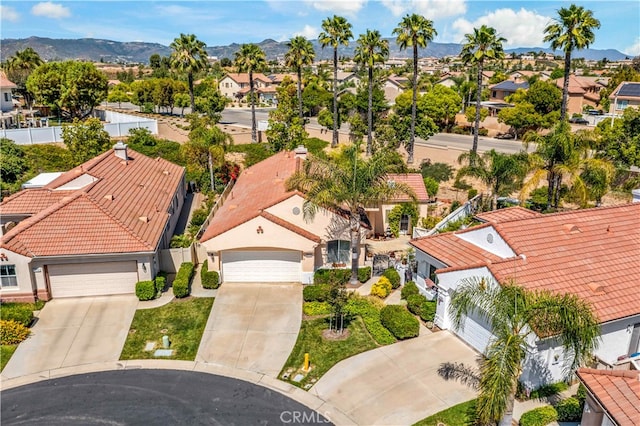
[(5, 354), (324, 353), (183, 320), (458, 415)]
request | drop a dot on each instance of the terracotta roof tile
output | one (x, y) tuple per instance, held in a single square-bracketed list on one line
[(617, 391), (507, 214), (243, 78), (290, 226), (5, 83), (414, 181), (101, 217)]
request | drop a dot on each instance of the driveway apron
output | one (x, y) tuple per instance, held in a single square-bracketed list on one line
[(398, 384), (252, 326), (74, 331)]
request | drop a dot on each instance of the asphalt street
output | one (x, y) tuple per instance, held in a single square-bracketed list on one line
[(151, 397)]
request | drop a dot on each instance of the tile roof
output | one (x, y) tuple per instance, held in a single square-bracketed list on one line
[(124, 209), (5, 83), (617, 391), (578, 85), (507, 214), (587, 252), (243, 77), (414, 181)]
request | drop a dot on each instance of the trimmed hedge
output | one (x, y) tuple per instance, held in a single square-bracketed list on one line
[(210, 279), (540, 416), (393, 276), (315, 293), (541, 392), (369, 310), (161, 281), (419, 305), (12, 332), (569, 410), (18, 312), (399, 321), (381, 288), (183, 279), (145, 290), (408, 289), (364, 274), (316, 308), (326, 276)]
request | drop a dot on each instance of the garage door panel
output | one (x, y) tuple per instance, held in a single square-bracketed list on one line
[(92, 279), (261, 266), (476, 332)]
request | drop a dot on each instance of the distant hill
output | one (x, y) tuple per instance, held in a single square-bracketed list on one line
[(139, 52)]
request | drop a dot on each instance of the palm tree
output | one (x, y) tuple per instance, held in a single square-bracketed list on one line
[(481, 45), (248, 59), (335, 31), (300, 54), (414, 31), (347, 184), (515, 315), (19, 67), (501, 173), (371, 49), (573, 29), (189, 56)]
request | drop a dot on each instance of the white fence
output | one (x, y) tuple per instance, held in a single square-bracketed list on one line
[(171, 259), (116, 124), (467, 209)]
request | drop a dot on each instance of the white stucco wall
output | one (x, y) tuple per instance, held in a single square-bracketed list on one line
[(424, 261), (23, 274), (488, 239)]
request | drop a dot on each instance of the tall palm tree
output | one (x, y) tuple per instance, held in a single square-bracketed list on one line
[(515, 315), (371, 49), (414, 31), (19, 67), (347, 184), (251, 58), (189, 56), (482, 45), (573, 29), (501, 173), (335, 31), (300, 54)]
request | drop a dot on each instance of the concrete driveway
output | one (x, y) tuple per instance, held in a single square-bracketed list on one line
[(252, 326), (398, 384), (74, 331)]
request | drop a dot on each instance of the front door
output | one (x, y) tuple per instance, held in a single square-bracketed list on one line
[(404, 224)]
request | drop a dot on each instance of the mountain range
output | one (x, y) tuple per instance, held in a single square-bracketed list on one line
[(139, 52)]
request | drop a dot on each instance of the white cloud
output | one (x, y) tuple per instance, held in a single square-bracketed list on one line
[(634, 49), (308, 32), (522, 28), (346, 7), (51, 10), (8, 14), (432, 9)]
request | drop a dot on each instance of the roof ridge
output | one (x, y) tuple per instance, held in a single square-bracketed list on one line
[(293, 227), (629, 374)]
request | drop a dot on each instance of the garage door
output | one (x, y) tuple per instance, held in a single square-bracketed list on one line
[(92, 279), (261, 266), (476, 333)]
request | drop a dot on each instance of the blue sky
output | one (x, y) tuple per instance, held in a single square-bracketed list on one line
[(224, 22)]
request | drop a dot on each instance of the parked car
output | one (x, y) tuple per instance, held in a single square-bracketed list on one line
[(505, 136), (578, 120), (595, 112)]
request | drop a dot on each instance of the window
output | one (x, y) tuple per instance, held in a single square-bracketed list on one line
[(622, 104), (432, 273), (338, 251), (6, 97), (8, 276)]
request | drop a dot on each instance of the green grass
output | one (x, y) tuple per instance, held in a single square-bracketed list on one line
[(323, 353), (458, 415), (5, 354), (184, 320)]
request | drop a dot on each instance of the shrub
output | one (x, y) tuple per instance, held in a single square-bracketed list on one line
[(409, 288), (199, 216), (472, 193), (182, 280), (428, 311), (364, 274), (18, 312), (399, 321), (325, 276), (161, 281), (549, 390), (315, 293), (540, 416), (415, 302), (210, 279), (393, 276), (483, 132), (369, 310), (145, 290), (316, 308), (569, 410), (381, 288), (12, 332)]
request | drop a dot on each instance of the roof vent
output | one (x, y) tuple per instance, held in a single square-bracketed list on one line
[(109, 197), (144, 219), (166, 172), (596, 288), (233, 206), (120, 150), (570, 228), (300, 152)]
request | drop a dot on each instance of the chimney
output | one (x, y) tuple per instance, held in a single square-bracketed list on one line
[(120, 149), (300, 152)]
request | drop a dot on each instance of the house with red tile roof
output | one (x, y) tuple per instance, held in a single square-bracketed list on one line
[(613, 397), (236, 86), (6, 89), (592, 253), (94, 230), (260, 234)]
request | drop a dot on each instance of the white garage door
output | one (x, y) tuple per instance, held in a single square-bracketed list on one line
[(92, 279), (476, 333), (261, 266)]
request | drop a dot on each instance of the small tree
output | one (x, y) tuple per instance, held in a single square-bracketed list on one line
[(337, 297), (85, 139)]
